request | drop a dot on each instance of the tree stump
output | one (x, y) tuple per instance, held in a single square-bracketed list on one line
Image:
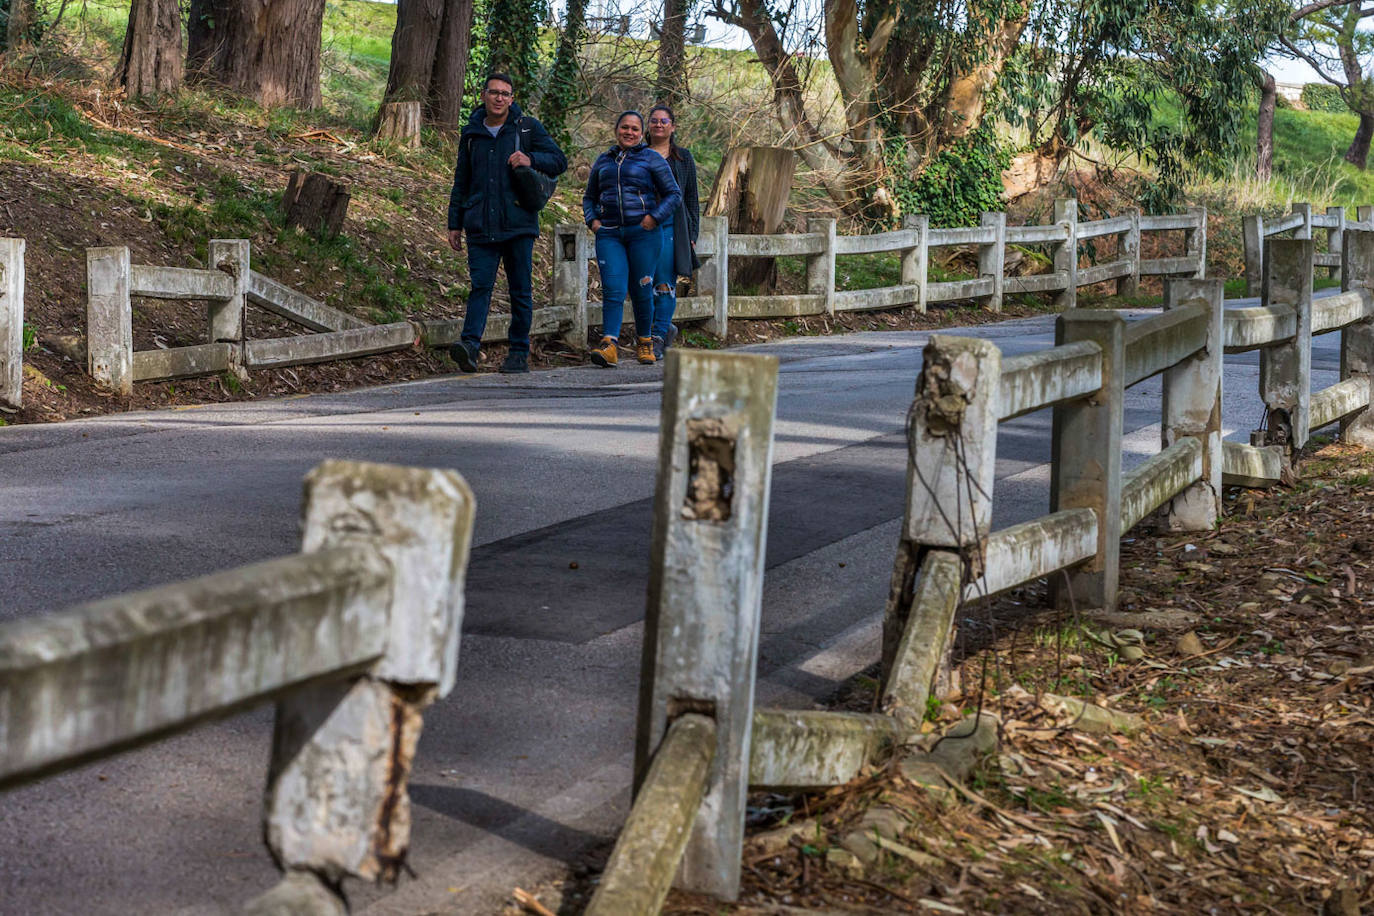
[(315, 203), (751, 192), (400, 122)]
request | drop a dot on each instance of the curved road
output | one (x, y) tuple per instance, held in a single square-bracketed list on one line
[(527, 764)]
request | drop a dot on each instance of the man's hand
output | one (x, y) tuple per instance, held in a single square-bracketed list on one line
[(455, 239), (648, 222), (517, 159), (596, 225)]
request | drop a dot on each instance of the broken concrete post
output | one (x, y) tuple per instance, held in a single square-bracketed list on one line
[(714, 277), (820, 268), (1335, 236), (1286, 368), (12, 321), (1085, 463), (300, 893), (109, 319), (1066, 252), (701, 630), (1357, 340), (992, 259), (640, 871), (952, 438), (1192, 406), (1128, 250), (226, 315), (1303, 231), (337, 800), (572, 247), (1195, 242), (1253, 233), (915, 259), (921, 649)]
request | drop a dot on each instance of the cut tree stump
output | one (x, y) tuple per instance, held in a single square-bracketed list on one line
[(315, 203), (400, 122), (751, 192)]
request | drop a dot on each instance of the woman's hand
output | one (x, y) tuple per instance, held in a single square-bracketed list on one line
[(648, 222), (596, 225)]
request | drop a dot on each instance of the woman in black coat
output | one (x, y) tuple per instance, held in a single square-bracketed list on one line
[(679, 258)]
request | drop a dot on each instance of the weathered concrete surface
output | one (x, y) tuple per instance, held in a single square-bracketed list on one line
[(440, 332), (12, 321), (915, 260), (280, 299), (701, 629), (1066, 252), (1027, 551), (924, 638), (225, 317), (182, 362), (713, 280), (300, 893), (109, 319), (1252, 466), (1155, 344), (811, 749), (953, 754), (572, 248), (114, 673), (1192, 405), (992, 259), (1046, 377), (1339, 401), (1286, 368), (421, 520), (314, 348), (1086, 460), (1357, 338), (179, 283), (1332, 312), (820, 267), (1258, 326), (1159, 478), (652, 842)]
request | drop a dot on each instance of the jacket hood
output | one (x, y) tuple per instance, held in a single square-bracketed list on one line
[(479, 114)]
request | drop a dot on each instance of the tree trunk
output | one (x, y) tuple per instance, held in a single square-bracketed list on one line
[(444, 107), (1264, 128), (269, 51), (751, 192), (315, 203), (22, 16), (400, 122), (151, 60), (1358, 154), (671, 86)]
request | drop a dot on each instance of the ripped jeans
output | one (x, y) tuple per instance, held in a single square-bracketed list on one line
[(665, 282), (622, 253)]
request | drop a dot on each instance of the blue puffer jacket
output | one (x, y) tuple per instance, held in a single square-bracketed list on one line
[(627, 184)]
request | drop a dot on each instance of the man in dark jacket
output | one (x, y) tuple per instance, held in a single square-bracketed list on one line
[(497, 139)]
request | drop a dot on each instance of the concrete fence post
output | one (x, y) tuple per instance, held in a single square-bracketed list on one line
[(109, 319), (572, 248), (1334, 237), (701, 631), (1305, 230), (1128, 250), (714, 277), (1253, 232), (226, 316), (1286, 368), (337, 802), (1085, 462), (915, 260), (1365, 215), (1357, 340), (1192, 406), (1195, 242), (952, 443), (992, 259), (12, 321), (1066, 252), (820, 268)]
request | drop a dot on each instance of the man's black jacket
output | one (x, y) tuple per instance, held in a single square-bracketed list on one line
[(482, 201)]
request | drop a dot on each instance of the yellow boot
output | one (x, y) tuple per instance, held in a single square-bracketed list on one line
[(607, 354), (644, 350)]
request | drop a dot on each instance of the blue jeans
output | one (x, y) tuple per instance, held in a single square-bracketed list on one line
[(518, 256), (622, 253), (665, 284)]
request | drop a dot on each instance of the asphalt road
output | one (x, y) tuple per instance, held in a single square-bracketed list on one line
[(527, 764)]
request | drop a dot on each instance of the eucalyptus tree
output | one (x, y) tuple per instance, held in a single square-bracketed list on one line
[(1328, 36)]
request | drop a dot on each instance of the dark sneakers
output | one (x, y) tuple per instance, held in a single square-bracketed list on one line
[(465, 355), (516, 362), (658, 349), (669, 336)]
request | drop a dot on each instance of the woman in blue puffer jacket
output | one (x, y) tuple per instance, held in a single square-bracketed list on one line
[(629, 193)]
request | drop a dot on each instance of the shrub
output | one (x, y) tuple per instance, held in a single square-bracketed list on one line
[(960, 183), (1323, 97)]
